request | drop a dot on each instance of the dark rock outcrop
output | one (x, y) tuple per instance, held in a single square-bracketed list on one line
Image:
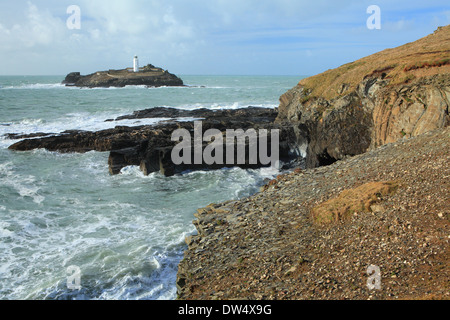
[(72, 78), (150, 147), (148, 76)]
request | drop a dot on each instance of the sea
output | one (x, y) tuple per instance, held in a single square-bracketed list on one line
[(71, 231)]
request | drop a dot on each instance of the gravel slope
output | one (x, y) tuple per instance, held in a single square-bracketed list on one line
[(268, 246)]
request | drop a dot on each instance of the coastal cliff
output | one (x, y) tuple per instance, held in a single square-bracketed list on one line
[(375, 192), (150, 76), (396, 93)]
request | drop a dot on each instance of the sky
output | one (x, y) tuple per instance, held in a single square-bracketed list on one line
[(206, 37)]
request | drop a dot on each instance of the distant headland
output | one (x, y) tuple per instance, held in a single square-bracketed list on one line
[(149, 76)]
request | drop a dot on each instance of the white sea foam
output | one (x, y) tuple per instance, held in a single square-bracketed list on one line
[(4, 231), (46, 86), (127, 249), (25, 185), (73, 121), (36, 86)]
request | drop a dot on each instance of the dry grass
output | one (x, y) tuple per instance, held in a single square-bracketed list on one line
[(424, 57)]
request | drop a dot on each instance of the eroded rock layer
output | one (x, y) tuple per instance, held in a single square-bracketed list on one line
[(397, 93)]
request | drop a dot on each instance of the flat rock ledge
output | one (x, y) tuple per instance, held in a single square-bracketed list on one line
[(270, 246)]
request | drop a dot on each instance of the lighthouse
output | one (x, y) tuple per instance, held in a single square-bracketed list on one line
[(136, 64)]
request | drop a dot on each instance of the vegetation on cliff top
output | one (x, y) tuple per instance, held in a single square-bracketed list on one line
[(424, 57)]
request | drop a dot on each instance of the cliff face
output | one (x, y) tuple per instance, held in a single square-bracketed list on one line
[(397, 93), (311, 234)]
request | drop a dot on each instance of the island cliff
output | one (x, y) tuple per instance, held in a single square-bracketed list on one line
[(150, 76)]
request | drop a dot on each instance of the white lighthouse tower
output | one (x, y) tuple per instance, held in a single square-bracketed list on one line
[(136, 64)]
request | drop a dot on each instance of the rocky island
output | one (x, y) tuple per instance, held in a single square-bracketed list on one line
[(149, 76)]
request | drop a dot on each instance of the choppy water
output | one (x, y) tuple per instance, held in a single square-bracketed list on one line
[(126, 232)]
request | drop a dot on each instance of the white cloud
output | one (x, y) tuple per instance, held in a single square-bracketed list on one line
[(39, 28), (115, 16), (200, 34), (397, 26), (95, 34), (137, 18)]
